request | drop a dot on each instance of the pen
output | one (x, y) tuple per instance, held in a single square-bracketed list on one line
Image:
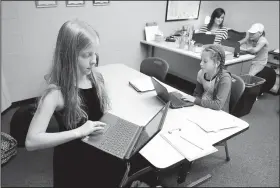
[(191, 143)]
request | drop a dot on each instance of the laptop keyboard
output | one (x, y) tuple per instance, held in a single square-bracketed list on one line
[(118, 138), (176, 102)]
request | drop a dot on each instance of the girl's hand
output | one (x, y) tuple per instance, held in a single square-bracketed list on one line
[(89, 127), (243, 49), (188, 98)]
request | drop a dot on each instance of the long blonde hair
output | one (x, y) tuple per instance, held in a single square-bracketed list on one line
[(73, 37)]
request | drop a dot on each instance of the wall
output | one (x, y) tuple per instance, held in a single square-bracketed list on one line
[(5, 96), (29, 33)]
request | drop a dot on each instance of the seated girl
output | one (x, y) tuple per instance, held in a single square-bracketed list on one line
[(213, 81), (256, 43)]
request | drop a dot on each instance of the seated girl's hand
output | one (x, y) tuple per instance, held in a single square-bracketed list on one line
[(90, 127), (188, 98)]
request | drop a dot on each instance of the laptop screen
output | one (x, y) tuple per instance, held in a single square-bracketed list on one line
[(151, 129), (203, 38), (231, 44), (162, 92)]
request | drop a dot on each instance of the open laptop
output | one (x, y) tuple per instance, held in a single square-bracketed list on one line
[(173, 97), (122, 138), (230, 44), (202, 38), (235, 45)]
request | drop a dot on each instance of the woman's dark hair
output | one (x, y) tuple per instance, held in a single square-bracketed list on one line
[(217, 13)]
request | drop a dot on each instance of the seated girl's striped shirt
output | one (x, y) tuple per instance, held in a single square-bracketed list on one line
[(221, 34)]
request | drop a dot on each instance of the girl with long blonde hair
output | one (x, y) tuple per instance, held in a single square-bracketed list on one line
[(76, 96)]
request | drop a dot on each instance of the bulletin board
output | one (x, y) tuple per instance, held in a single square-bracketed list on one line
[(182, 10)]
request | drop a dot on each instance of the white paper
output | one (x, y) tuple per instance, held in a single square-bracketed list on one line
[(276, 50), (187, 144), (142, 84), (212, 120), (150, 32)]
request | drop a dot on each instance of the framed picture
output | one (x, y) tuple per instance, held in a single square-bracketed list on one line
[(75, 3), (100, 2), (182, 10), (45, 4)]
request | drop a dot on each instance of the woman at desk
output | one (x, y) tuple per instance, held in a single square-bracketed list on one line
[(256, 43), (77, 98), (215, 26), (213, 84)]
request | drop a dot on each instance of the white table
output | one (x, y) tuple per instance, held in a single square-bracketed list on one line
[(188, 69), (139, 108)]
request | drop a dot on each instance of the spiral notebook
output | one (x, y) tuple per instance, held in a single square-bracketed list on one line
[(187, 144)]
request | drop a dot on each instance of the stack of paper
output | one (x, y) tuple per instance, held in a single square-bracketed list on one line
[(142, 84), (211, 120), (187, 144), (150, 32)]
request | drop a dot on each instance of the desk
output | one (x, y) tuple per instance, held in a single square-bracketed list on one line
[(188, 69), (139, 108)]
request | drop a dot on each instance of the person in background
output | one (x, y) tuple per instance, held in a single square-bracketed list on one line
[(215, 26), (256, 43), (76, 96), (213, 84)]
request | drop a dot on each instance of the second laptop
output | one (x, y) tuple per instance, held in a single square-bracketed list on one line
[(173, 97)]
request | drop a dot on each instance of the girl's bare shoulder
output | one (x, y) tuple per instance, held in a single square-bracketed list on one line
[(54, 95)]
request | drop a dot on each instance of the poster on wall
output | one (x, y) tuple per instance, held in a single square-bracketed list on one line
[(100, 2), (45, 4), (182, 10)]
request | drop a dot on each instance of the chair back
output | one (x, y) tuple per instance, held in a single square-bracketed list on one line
[(154, 66), (237, 90)]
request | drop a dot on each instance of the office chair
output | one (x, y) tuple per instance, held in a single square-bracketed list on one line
[(270, 77), (154, 66), (21, 120), (235, 35), (237, 90)]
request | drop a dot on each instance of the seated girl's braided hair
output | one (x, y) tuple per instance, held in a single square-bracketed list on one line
[(217, 55)]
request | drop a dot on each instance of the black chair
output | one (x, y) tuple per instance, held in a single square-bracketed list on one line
[(270, 76), (154, 66), (21, 120), (237, 90)]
